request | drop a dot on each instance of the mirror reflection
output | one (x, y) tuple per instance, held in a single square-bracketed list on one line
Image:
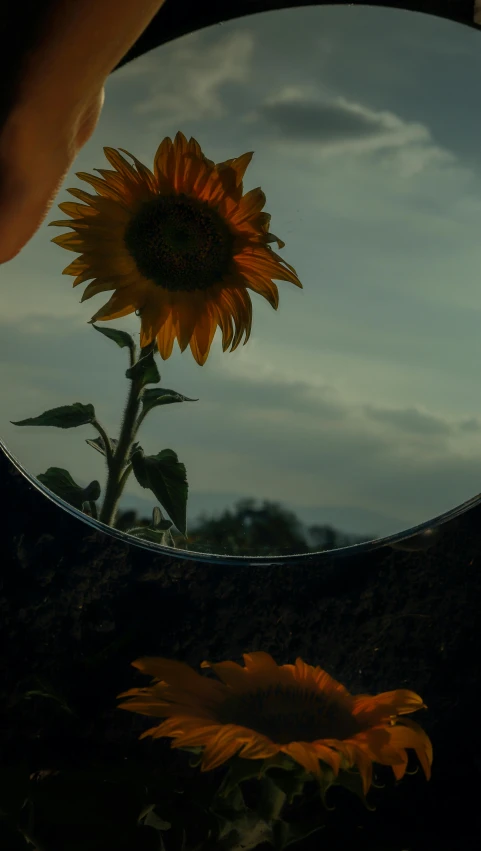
[(352, 409)]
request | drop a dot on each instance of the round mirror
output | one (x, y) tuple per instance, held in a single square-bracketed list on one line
[(350, 411)]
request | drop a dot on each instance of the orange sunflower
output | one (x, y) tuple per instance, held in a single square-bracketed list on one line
[(263, 709), (181, 245)]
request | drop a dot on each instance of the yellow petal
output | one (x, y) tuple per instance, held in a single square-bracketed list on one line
[(202, 337), (369, 709), (70, 241), (166, 338), (120, 304), (221, 747), (249, 206), (328, 755), (179, 675), (239, 165)]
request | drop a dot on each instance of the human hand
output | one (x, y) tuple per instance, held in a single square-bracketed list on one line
[(58, 106)]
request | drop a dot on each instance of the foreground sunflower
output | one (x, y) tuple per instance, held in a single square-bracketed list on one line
[(263, 709), (181, 245)]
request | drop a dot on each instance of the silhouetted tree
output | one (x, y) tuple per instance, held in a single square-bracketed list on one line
[(252, 529), (328, 538), (248, 529)]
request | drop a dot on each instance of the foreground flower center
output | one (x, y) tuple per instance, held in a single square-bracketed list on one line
[(286, 715), (180, 243)]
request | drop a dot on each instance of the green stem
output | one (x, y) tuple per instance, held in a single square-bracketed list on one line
[(127, 471), (132, 355), (116, 479), (106, 440), (141, 418)]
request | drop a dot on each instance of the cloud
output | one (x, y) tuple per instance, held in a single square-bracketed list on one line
[(470, 425), (411, 420), (186, 78), (299, 118), (336, 126)]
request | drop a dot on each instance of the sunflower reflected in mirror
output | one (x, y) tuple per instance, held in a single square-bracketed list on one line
[(181, 246), (286, 726)]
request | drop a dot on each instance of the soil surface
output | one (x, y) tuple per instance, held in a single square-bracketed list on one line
[(77, 607)]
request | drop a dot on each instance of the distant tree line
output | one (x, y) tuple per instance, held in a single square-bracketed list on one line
[(253, 528)]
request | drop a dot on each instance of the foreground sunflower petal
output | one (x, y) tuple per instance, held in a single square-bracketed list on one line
[(180, 244), (262, 709)]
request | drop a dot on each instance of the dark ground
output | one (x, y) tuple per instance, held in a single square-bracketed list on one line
[(77, 607)]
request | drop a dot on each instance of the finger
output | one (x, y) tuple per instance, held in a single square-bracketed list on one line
[(33, 163)]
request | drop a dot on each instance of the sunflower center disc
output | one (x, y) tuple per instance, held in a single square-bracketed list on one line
[(288, 715), (180, 243)]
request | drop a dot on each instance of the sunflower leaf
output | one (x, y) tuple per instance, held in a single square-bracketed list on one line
[(60, 482), (239, 770), (352, 781), (98, 444), (290, 782), (326, 780), (145, 371), (270, 799), (151, 818), (120, 337), (66, 416), (146, 534), (166, 477), (285, 834), (161, 396), (45, 690)]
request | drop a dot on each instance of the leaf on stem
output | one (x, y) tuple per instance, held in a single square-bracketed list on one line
[(60, 482), (285, 834), (166, 477), (120, 337), (145, 370), (156, 530), (66, 416), (159, 521), (157, 396), (98, 444)]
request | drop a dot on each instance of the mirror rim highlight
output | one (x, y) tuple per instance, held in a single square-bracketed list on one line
[(248, 560), (444, 9)]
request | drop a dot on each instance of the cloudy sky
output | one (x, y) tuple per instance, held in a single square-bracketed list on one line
[(359, 401)]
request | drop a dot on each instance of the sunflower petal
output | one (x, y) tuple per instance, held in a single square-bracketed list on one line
[(179, 675), (408, 734), (249, 206), (221, 747), (305, 754), (164, 160), (239, 165), (70, 241), (120, 304), (100, 185), (328, 755), (202, 337), (120, 164), (144, 173), (371, 710), (95, 287), (166, 338), (265, 288)]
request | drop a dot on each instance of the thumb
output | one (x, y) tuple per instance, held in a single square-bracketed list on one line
[(36, 152)]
